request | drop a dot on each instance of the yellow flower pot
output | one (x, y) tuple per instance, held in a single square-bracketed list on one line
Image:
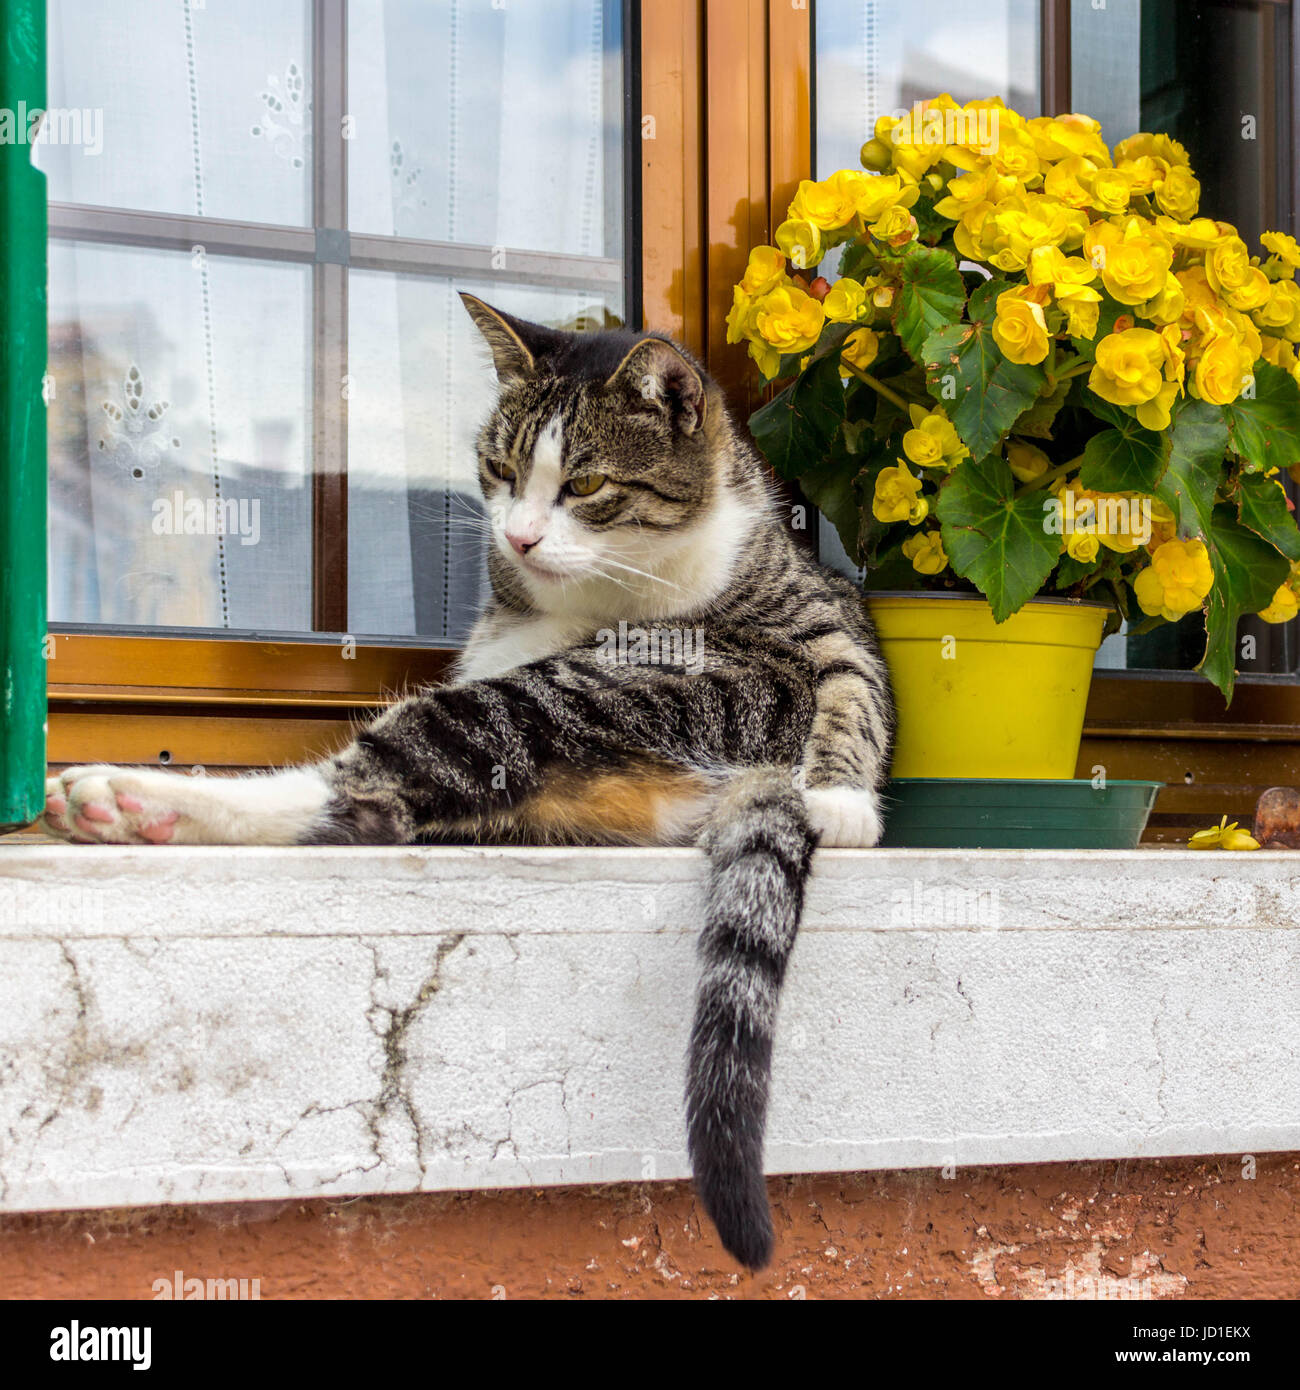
[(983, 699)]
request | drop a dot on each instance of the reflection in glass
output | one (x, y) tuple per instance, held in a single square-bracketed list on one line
[(178, 440)]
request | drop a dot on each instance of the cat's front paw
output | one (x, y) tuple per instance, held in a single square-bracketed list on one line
[(844, 817), (101, 805)]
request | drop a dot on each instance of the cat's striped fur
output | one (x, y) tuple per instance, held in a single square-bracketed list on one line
[(775, 734)]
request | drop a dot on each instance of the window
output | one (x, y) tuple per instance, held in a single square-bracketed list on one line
[(264, 388), (614, 163)]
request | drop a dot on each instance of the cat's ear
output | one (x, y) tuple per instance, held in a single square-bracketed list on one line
[(506, 337), (663, 377)]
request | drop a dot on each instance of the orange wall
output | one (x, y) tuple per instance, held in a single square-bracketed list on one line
[(1193, 1228)]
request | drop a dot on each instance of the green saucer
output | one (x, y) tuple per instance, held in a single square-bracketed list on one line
[(1015, 813)]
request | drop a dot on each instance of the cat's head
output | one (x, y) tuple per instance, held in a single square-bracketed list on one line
[(607, 462)]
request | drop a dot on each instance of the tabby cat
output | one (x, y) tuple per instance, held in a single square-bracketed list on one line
[(621, 498)]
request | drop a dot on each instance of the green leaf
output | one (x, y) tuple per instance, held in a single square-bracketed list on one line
[(1247, 573), (833, 493), (1197, 446), (931, 296), (1265, 431), (1037, 421), (1127, 459), (1261, 506), (993, 538), (795, 428), (859, 259), (983, 393)]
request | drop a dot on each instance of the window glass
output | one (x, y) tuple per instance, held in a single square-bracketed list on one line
[(1216, 76), (200, 109), (179, 431), (875, 58), (205, 336)]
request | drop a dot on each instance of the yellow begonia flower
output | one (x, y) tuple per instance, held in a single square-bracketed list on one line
[(1020, 328), (1026, 461), (1163, 147), (933, 442), (895, 226), (764, 272), (1223, 370), (827, 205), (1223, 836), (767, 357), (1179, 193), (1155, 413), (845, 301), (1061, 138), (925, 551), (1285, 260), (860, 350), (1110, 189), (1082, 546), (1283, 606), (1282, 312), (1176, 581), (788, 319), (898, 496), (801, 241), (873, 195), (1134, 263), (1128, 367), (740, 321)]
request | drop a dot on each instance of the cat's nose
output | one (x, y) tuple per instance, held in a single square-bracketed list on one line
[(520, 542)]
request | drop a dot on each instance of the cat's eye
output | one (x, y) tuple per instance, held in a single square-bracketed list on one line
[(503, 470), (586, 483)]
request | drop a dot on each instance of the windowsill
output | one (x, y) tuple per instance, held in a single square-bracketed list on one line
[(215, 1024)]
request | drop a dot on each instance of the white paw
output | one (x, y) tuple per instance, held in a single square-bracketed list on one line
[(142, 806), (112, 806), (844, 817)]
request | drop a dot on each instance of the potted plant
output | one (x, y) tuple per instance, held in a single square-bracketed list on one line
[(1039, 392)]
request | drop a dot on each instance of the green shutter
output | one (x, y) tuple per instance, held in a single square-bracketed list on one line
[(22, 424)]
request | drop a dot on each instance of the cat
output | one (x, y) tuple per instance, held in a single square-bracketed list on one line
[(620, 497)]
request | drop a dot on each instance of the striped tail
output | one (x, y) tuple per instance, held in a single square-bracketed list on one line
[(759, 845)]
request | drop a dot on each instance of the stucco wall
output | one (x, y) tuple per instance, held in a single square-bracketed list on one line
[(1175, 1229)]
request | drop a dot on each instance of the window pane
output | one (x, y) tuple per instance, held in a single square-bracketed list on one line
[(178, 440), (494, 126), (420, 384), (1215, 75), (185, 108), (875, 58)]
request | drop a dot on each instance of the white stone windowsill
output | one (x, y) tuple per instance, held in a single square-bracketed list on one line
[(212, 1024)]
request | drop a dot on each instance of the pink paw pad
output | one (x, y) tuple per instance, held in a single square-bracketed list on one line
[(93, 811), (56, 805), (127, 802), (160, 832)]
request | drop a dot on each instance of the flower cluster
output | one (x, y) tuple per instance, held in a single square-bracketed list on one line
[(1106, 307)]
